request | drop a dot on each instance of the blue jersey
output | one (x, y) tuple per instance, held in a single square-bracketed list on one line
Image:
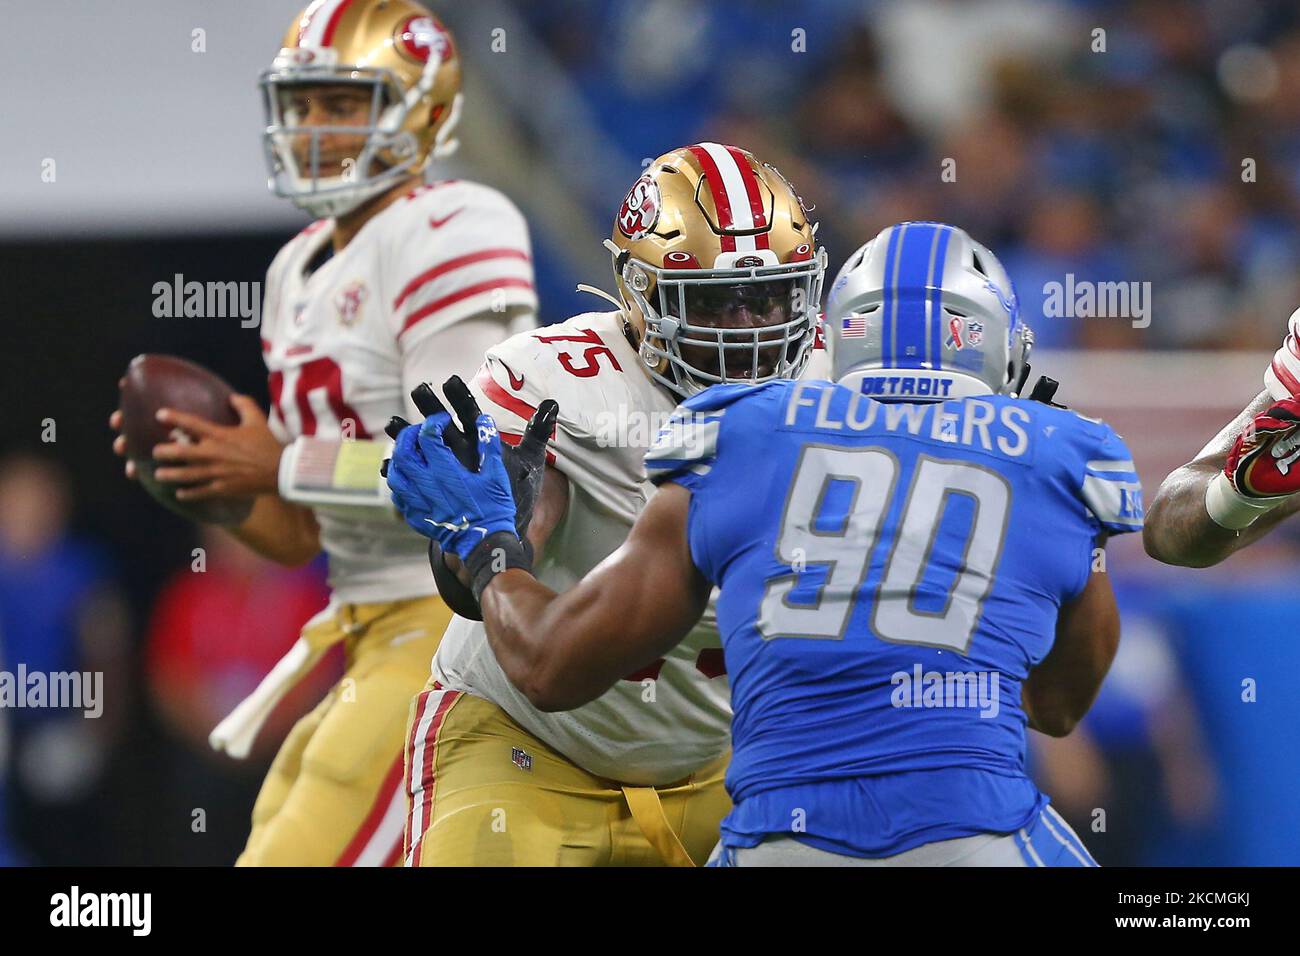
[(889, 575)]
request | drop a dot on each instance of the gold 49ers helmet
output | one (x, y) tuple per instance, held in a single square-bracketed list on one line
[(718, 269), (397, 51)]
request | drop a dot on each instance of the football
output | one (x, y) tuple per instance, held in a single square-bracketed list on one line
[(165, 381)]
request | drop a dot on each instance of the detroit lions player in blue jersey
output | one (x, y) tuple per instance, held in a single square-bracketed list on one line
[(909, 562)]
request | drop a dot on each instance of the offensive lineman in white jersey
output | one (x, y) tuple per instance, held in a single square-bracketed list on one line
[(719, 278), (399, 282)]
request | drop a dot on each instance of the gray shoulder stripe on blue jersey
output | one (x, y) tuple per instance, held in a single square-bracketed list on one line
[(1113, 502), (1103, 467), (683, 438)]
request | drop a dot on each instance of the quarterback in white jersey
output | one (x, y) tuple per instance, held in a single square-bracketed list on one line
[(398, 282), (425, 285), (724, 249)]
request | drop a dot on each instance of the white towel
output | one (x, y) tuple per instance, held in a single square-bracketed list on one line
[(235, 734)]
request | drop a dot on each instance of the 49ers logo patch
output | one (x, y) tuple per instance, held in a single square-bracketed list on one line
[(349, 301), (640, 210), (423, 39)]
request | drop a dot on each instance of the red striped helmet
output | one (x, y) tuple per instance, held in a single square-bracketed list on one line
[(718, 269)]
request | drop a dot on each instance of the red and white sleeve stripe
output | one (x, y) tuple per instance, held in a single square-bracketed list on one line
[(465, 285), (1282, 377), (509, 409)]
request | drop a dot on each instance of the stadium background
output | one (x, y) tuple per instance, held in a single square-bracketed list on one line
[(1173, 157)]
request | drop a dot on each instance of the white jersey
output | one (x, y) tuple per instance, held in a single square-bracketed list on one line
[(662, 723), (345, 343)]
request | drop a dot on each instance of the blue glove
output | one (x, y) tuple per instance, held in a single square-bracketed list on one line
[(524, 464), (443, 498)]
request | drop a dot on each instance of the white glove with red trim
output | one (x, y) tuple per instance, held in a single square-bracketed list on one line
[(1263, 468), (1282, 377)]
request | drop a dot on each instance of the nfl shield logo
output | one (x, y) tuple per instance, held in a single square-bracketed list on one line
[(521, 759)]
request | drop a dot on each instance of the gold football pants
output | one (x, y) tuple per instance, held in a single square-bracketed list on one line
[(334, 795), (485, 792)]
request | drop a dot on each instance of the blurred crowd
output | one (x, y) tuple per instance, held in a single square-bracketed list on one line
[(1151, 141), (136, 783)]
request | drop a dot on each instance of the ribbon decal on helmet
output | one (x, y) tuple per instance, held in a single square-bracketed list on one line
[(954, 334)]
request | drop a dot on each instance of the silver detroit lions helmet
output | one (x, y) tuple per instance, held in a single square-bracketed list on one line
[(923, 312)]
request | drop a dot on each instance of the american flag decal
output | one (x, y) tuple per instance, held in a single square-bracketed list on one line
[(853, 327)]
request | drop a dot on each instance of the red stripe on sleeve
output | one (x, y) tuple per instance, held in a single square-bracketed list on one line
[(499, 396), (1286, 378), (452, 265), (468, 292)]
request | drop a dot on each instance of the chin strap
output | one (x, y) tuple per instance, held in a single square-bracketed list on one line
[(444, 144), (583, 287)]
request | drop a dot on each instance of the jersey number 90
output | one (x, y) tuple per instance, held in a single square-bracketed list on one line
[(844, 554)]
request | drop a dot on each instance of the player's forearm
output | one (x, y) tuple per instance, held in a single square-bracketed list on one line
[(634, 607), (280, 531), (537, 636), (1180, 531), (565, 650)]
